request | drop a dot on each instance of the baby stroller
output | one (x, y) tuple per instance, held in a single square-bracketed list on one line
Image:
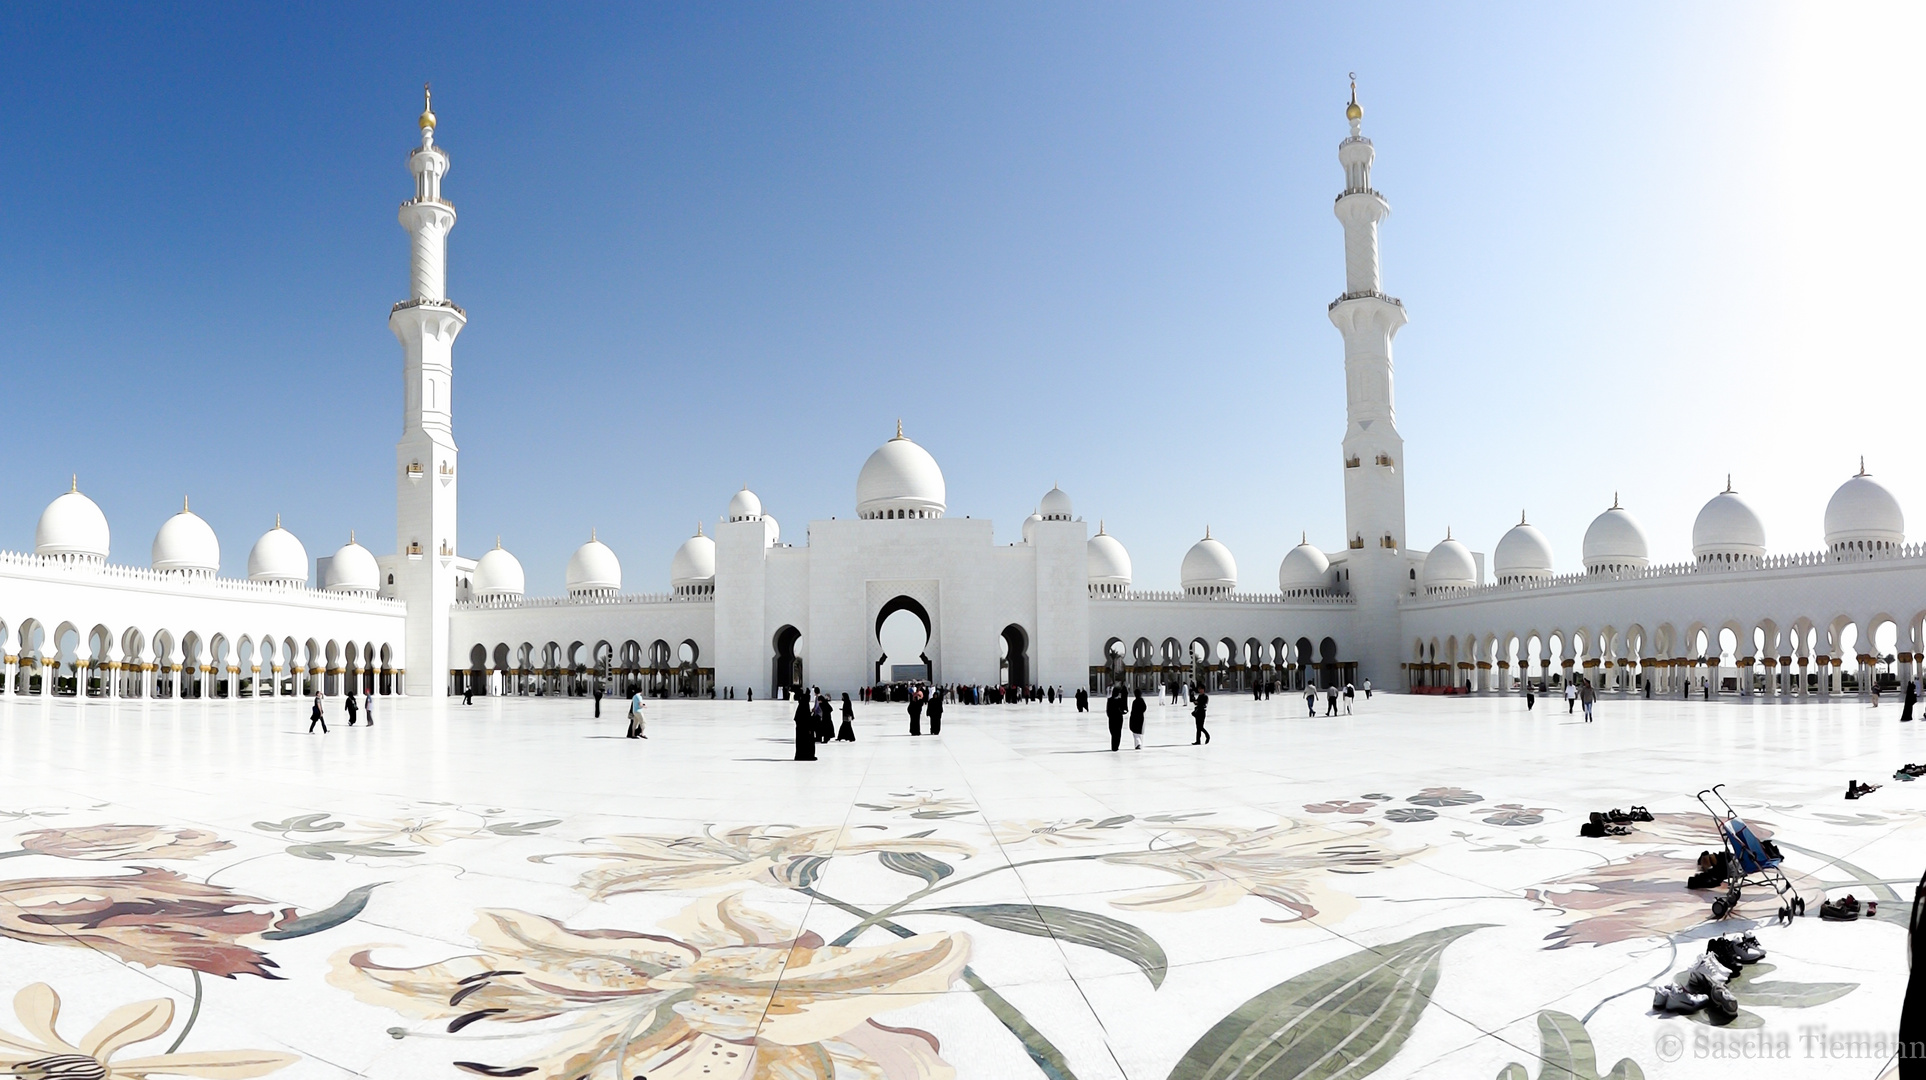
[(1749, 860)]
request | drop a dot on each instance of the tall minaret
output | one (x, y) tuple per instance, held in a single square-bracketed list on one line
[(1373, 450), (426, 324)]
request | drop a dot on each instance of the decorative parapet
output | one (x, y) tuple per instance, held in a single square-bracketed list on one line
[(495, 603), (1271, 598), (1770, 564)]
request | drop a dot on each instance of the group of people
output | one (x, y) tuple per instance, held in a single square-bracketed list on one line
[(815, 721), (1121, 704), (1332, 695), (1579, 691), (318, 717), (967, 693)]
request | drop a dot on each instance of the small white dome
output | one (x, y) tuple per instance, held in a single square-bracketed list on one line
[(186, 545), (72, 526), (1523, 554), (744, 506), (353, 570), (1055, 505), (278, 556), (1107, 562), (498, 574), (1863, 513), (1305, 568), (1030, 528), (1208, 568), (594, 569), (900, 480), (1727, 530), (1614, 543), (1448, 568), (771, 531), (693, 567)]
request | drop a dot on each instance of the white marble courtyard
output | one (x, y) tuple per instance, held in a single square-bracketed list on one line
[(510, 889)]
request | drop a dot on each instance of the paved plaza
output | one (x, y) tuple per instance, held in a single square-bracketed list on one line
[(512, 889)]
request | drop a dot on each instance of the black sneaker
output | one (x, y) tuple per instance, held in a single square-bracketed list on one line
[(1725, 953), (1639, 813), (1618, 817), (1705, 879)]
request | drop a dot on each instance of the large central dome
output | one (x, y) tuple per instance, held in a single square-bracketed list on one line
[(900, 480)]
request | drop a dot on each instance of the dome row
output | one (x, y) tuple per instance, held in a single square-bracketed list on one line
[(1862, 518), (73, 528)]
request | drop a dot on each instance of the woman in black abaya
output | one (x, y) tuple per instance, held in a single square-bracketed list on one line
[(805, 729)]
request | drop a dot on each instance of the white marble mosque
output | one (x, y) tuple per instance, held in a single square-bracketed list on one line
[(747, 612), (198, 880)]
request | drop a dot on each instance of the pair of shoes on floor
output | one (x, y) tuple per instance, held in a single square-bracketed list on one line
[(1605, 825), (1857, 790), (1909, 772), (1710, 878), (1708, 976), (1639, 813), (1845, 909), (1734, 951)]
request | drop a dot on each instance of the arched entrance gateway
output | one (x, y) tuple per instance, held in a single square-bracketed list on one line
[(1015, 647), (787, 669), (903, 630)]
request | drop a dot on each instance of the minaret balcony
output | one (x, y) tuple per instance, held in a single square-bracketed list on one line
[(445, 305), (1367, 294)]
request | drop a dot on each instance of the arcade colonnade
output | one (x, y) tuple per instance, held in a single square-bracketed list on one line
[(91, 630), (1808, 628)]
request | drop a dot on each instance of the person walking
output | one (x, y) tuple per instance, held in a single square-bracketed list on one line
[(1912, 698), (1330, 700), (1310, 700), (847, 733), (1350, 696), (1530, 698), (598, 699), (317, 717), (1114, 708), (367, 708), (825, 719), (1197, 714), (1587, 697), (805, 729), (1367, 689), (468, 691), (637, 726), (916, 712), (1137, 708), (353, 709), (936, 710), (1571, 696)]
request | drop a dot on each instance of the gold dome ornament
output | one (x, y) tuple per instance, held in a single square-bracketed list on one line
[(1353, 112), (428, 110)]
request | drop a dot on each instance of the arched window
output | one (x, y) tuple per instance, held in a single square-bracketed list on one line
[(391, 579)]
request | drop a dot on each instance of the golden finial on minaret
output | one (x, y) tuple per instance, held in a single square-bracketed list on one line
[(427, 108), (1354, 112), (277, 521), (498, 541), (183, 504), (899, 427), (75, 484)]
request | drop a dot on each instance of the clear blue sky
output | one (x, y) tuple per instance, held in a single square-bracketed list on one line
[(1641, 245)]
